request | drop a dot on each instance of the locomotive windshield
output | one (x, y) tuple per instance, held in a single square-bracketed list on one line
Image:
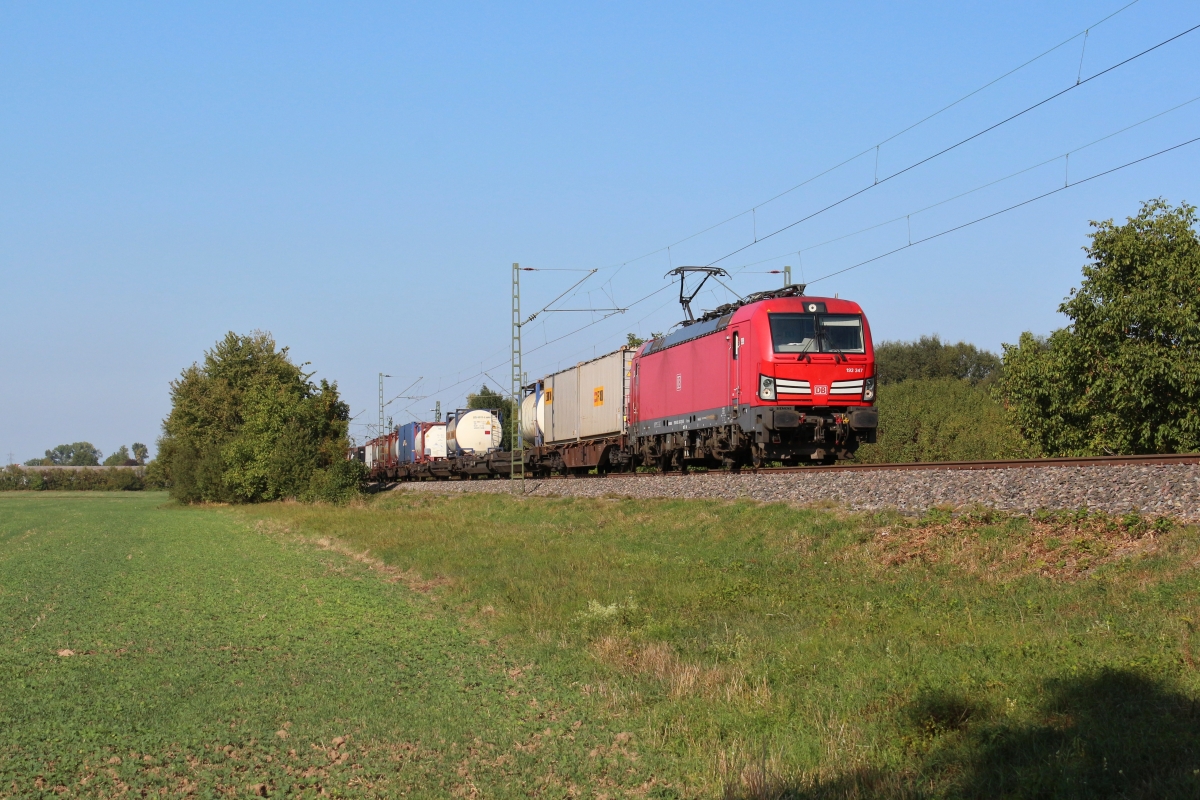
[(816, 333)]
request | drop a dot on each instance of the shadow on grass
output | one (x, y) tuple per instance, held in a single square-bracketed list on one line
[(1115, 734)]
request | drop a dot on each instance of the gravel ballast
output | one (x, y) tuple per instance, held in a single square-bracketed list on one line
[(1157, 490)]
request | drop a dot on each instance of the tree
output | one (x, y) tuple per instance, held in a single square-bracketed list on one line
[(632, 340), (79, 454), (140, 452), (1124, 375), (248, 425), (118, 458), (486, 398), (930, 358)]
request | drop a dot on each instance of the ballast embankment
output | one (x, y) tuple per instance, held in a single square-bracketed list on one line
[(1157, 490)]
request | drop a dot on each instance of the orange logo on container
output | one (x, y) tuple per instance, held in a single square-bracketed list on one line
[(548, 396), (598, 396)]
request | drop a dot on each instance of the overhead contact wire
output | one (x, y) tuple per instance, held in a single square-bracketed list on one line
[(969, 191), (1006, 210), (879, 144), (954, 146)]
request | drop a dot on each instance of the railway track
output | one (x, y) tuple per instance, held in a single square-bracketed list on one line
[(1156, 485), (1012, 463)]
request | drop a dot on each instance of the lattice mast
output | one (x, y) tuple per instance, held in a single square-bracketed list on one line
[(381, 404), (517, 463)]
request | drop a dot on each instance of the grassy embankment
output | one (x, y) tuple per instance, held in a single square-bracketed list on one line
[(830, 655), (750, 648)]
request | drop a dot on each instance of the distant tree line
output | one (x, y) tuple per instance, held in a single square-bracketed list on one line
[(928, 358), (85, 454)]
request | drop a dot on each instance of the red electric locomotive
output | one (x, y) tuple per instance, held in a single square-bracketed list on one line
[(778, 377)]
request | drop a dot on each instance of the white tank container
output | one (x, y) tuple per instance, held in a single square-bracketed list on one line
[(533, 417), (475, 432)]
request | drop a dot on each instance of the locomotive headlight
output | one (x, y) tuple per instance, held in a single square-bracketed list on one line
[(766, 387), (869, 390)]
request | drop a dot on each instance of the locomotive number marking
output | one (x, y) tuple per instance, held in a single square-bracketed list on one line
[(598, 396), (820, 390), (853, 370)]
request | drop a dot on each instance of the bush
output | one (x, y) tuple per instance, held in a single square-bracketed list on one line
[(945, 419), (14, 478), (337, 483), (155, 476), (247, 425)]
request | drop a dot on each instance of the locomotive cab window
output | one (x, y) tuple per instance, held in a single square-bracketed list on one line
[(816, 333), (841, 333), (794, 333)]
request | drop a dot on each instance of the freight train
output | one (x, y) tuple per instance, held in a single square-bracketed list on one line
[(776, 377)]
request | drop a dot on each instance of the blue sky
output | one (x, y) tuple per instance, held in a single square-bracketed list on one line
[(358, 179)]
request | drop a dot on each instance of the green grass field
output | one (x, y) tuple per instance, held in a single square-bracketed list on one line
[(151, 649), (490, 646)]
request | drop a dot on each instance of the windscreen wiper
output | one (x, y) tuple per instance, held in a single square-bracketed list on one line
[(836, 350)]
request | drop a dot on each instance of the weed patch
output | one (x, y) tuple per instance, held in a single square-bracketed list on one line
[(1060, 546)]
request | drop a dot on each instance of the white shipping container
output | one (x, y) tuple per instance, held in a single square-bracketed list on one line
[(562, 406), (590, 400), (603, 394)]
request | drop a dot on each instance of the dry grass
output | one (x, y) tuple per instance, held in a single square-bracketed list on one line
[(682, 680), (1059, 548)]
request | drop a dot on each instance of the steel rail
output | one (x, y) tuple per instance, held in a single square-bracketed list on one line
[(1012, 463)]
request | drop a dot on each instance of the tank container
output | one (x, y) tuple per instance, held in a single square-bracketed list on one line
[(476, 431), (533, 416)]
